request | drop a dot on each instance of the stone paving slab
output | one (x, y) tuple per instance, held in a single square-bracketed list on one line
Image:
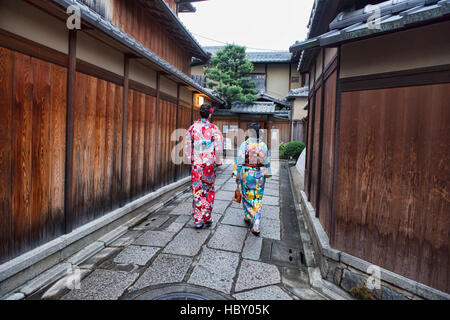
[(229, 187), (153, 222), (270, 212), (220, 206), (253, 274), (175, 227), (225, 195), (215, 270), (265, 293), (269, 200), (184, 208), (270, 229), (154, 238), (100, 257), (236, 205), (234, 217), (127, 239), (166, 268), (139, 255), (228, 238), (102, 285), (188, 242), (275, 192), (252, 247)]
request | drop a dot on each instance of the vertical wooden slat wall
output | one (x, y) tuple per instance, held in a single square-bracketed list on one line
[(33, 164), (132, 19), (394, 169), (32, 152), (327, 166)]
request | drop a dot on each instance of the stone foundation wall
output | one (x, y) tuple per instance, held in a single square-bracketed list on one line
[(355, 275)]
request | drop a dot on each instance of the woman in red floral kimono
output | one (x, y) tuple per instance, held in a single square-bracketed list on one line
[(204, 146)]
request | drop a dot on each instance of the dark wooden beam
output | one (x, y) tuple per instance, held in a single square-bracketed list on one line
[(126, 73), (177, 166), (69, 174), (158, 98), (337, 132), (322, 116)]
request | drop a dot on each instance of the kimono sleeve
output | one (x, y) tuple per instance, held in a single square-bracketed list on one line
[(188, 144), (267, 166), (240, 161), (218, 146)]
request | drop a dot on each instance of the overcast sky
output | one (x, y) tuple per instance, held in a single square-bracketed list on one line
[(256, 24)]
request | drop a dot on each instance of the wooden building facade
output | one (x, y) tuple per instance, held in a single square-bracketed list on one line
[(378, 139), (87, 114)]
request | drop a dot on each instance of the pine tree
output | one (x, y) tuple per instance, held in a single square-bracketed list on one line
[(228, 74)]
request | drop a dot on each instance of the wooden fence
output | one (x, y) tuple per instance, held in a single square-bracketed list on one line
[(378, 168), (107, 167)]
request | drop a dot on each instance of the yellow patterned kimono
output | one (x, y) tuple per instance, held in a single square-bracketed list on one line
[(252, 167)]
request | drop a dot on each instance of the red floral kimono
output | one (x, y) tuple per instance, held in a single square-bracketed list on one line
[(204, 146)]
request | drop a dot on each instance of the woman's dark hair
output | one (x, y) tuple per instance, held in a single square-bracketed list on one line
[(204, 110), (256, 127)]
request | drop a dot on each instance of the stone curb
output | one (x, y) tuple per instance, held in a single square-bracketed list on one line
[(318, 284), (322, 245), (34, 282)]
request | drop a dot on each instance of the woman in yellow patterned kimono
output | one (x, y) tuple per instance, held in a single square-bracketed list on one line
[(251, 169)]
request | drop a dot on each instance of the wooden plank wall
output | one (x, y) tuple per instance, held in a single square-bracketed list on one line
[(32, 152), (132, 19), (394, 167), (184, 121), (316, 148), (325, 202), (284, 127), (33, 105)]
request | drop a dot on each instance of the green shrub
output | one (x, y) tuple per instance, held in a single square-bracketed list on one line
[(292, 149), (282, 148)]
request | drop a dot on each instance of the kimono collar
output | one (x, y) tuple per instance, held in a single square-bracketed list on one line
[(204, 120)]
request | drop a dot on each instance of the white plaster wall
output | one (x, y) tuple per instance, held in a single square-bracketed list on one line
[(415, 48), (168, 86), (142, 74), (21, 18), (97, 53), (278, 80)]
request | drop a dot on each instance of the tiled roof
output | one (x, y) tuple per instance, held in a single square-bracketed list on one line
[(258, 57), (90, 16), (300, 92), (254, 107), (265, 96), (200, 79), (395, 15), (265, 57)]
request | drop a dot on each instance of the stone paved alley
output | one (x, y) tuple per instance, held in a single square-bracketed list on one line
[(165, 253)]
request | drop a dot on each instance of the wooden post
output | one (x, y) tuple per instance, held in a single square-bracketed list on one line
[(177, 166), (124, 127), (322, 114), (337, 130), (158, 85), (192, 109), (69, 174)]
